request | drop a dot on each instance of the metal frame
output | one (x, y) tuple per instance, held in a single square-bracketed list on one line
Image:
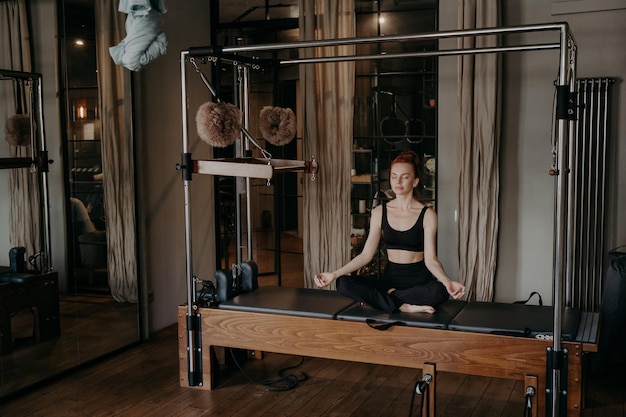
[(39, 154), (564, 124)]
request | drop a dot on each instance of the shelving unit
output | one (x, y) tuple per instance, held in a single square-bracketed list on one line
[(85, 187), (395, 111)]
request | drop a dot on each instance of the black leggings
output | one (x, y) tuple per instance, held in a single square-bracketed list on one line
[(414, 284)]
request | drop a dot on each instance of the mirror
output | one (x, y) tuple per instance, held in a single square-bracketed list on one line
[(88, 322)]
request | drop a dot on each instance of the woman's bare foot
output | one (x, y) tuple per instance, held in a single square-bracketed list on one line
[(411, 308)]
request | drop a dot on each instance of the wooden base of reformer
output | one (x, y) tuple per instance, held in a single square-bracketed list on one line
[(431, 350)]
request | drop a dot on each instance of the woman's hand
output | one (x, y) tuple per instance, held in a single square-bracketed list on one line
[(455, 289), (324, 278)]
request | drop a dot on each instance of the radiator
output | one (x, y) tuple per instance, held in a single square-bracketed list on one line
[(585, 235)]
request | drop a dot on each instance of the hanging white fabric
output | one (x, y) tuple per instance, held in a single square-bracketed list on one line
[(145, 40)]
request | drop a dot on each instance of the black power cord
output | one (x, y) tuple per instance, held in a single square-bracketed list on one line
[(282, 382), (420, 388), (528, 404)]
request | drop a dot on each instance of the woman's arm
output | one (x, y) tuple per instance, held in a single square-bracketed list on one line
[(455, 289), (367, 254)]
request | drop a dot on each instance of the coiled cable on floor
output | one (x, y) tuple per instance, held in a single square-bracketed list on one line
[(282, 382)]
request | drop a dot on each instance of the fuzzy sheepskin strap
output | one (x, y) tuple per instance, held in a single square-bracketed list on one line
[(277, 125), (219, 124), (17, 130)]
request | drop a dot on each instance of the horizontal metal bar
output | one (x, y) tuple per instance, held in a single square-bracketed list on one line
[(20, 75), (450, 52), (10, 163), (395, 38)]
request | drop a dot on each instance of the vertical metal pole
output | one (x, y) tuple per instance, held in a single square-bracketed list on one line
[(561, 215), (593, 235), (585, 211), (239, 188), (47, 258), (602, 162), (193, 345), (186, 184), (245, 103), (576, 192)]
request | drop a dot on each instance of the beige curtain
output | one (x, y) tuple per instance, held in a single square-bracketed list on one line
[(328, 95), (25, 207), (479, 143), (117, 155)]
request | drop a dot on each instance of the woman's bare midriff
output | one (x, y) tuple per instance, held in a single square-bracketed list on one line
[(400, 256)]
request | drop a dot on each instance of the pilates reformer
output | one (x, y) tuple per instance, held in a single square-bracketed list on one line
[(454, 339), (484, 339)]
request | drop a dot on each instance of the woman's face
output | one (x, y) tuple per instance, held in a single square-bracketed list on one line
[(403, 178)]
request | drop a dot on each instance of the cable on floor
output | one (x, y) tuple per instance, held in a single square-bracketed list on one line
[(282, 382)]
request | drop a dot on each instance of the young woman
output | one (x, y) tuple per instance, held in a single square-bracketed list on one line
[(414, 280)]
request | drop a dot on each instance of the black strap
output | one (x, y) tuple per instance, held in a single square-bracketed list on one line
[(529, 297), (383, 326), (528, 406)]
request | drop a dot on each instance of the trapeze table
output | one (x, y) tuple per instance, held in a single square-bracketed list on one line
[(485, 339)]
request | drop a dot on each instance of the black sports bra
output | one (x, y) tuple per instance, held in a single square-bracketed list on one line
[(411, 239)]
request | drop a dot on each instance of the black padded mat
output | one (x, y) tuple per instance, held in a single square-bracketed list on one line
[(439, 320), (305, 302), (17, 277), (515, 320)]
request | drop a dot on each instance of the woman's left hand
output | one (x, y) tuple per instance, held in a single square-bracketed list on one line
[(455, 289)]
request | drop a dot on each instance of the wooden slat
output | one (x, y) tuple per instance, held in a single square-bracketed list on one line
[(233, 169), (429, 407), (532, 381), (251, 167)]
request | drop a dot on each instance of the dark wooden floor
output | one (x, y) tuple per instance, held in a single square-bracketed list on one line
[(82, 320), (143, 381)]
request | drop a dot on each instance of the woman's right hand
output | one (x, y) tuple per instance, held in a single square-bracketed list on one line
[(323, 279)]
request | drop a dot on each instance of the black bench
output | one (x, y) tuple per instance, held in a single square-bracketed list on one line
[(37, 292)]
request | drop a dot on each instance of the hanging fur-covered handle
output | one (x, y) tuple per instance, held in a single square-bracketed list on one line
[(219, 124), (277, 125), (17, 130)]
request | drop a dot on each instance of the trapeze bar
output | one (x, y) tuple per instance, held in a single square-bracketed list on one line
[(450, 52), (289, 165), (252, 167), (410, 37), (233, 168)]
